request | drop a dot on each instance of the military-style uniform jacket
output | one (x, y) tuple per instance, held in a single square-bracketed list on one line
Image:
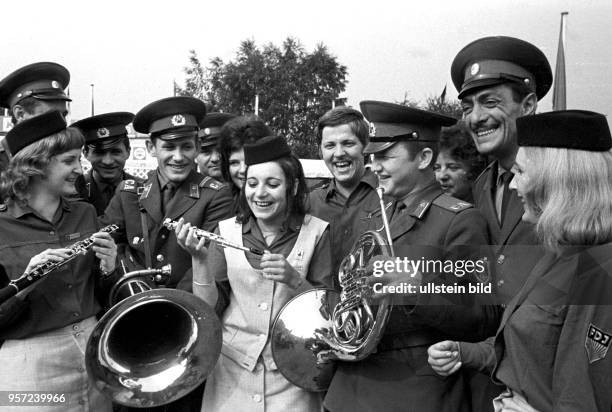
[(554, 340), (91, 193), (201, 201), (398, 377), (515, 245)]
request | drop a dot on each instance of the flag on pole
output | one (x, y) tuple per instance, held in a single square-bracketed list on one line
[(443, 95), (559, 84)]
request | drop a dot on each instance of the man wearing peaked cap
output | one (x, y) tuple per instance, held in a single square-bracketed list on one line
[(174, 190), (32, 90), (499, 79), (425, 224), (107, 147), (209, 158), (35, 89)]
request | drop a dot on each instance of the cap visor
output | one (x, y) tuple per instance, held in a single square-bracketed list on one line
[(478, 84), (375, 147)]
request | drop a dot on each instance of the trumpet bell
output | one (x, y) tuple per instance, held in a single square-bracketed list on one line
[(302, 339), (153, 348)]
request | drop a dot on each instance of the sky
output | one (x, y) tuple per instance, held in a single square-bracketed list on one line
[(132, 51)]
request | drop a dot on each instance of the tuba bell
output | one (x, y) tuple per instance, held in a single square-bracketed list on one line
[(320, 326), (154, 345)]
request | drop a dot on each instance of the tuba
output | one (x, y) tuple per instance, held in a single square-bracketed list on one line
[(320, 326), (154, 345)]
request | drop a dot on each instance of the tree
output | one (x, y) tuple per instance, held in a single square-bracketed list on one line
[(436, 104), (294, 87)]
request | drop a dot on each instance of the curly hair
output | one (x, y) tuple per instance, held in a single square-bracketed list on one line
[(458, 144), (33, 160), (296, 203), (234, 135)]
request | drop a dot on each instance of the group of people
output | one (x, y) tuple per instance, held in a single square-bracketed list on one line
[(536, 221)]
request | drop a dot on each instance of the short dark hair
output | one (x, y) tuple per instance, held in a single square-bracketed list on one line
[(344, 115), (458, 143), (28, 104), (235, 133), (519, 91), (296, 204)]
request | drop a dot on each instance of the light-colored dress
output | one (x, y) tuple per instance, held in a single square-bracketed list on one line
[(246, 377)]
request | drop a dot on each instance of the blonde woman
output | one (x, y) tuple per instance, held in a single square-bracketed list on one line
[(551, 350)]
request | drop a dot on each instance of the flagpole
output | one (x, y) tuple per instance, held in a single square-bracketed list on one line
[(92, 99), (559, 88)]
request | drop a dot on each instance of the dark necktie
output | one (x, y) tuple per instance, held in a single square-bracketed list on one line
[(167, 196), (502, 194)]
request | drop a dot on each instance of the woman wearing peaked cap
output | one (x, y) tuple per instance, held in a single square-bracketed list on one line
[(44, 339), (248, 291), (552, 347)]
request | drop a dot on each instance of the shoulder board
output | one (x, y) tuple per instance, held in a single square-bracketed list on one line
[(451, 204), (420, 210), (212, 183), (129, 185), (3, 207)]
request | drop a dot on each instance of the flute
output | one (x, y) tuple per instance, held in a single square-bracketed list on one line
[(41, 271), (172, 224)]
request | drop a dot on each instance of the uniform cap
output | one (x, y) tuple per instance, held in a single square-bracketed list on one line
[(171, 118), (42, 81), (104, 128), (569, 129), (210, 127), (490, 61), (266, 149), (34, 129), (391, 123)]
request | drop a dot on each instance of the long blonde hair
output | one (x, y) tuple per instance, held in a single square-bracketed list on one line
[(573, 190)]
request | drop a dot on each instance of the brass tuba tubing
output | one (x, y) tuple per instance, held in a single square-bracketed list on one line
[(320, 326)]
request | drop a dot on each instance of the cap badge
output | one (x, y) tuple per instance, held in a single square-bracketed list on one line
[(55, 84), (207, 131), (103, 132), (178, 120), (372, 130), (474, 69)]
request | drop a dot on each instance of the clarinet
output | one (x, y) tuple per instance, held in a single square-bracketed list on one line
[(41, 271), (221, 241)]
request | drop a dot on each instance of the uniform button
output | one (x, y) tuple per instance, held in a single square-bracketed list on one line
[(163, 236), (75, 327), (77, 335), (160, 258), (263, 306), (257, 397), (501, 259), (500, 283)]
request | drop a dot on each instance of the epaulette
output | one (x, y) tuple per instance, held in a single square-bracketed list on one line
[(451, 204), (3, 207), (212, 183)]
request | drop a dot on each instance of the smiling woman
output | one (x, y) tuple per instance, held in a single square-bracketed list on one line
[(45, 326), (250, 291)]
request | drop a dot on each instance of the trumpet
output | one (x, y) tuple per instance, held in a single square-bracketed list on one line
[(41, 271), (172, 224)]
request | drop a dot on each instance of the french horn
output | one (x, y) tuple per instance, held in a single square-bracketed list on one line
[(153, 346), (320, 326)]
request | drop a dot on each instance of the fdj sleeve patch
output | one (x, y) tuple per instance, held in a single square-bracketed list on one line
[(597, 343)]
